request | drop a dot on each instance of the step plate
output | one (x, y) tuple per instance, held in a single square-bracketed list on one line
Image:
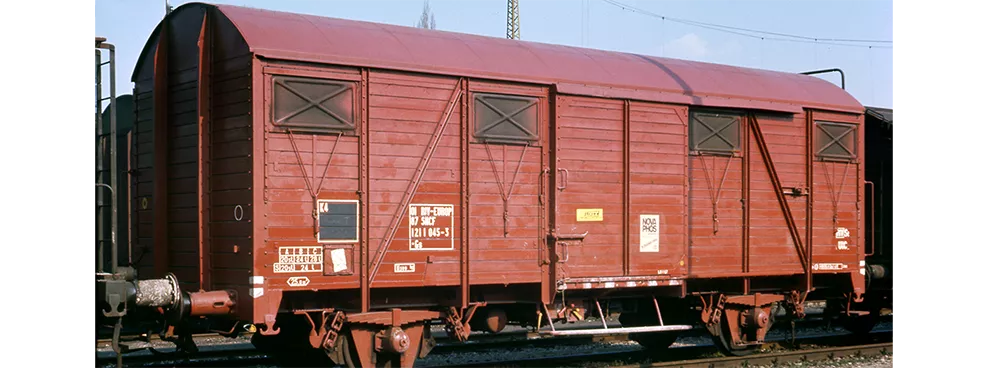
[(606, 331)]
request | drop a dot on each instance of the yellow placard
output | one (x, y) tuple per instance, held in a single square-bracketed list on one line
[(589, 214)]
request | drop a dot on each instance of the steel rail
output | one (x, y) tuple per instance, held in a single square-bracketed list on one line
[(806, 355), (241, 355), (688, 356)]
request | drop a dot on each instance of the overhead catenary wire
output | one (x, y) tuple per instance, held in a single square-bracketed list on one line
[(741, 31)]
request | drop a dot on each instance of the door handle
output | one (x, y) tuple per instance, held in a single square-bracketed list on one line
[(564, 179)]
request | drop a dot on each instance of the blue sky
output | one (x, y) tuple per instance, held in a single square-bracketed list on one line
[(600, 25)]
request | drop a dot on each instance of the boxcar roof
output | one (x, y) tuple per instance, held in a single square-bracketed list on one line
[(309, 38)]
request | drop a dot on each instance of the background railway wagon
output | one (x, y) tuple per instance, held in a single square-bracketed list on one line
[(878, 171), (125, 125), (316, 164)]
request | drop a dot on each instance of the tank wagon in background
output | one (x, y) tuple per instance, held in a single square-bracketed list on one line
[(340, 185)]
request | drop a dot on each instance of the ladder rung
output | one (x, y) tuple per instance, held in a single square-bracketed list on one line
[(105, 63)]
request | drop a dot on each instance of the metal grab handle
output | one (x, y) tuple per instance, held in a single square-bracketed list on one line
[(564, 179), (872, 240), (564, 247), (842, 83)]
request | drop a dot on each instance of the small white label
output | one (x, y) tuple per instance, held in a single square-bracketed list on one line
[(339, 261), (829, 266), (861, 263), (610, 284), (431, 226), (842, 244), (652, 283), (404, 267), (649, 233), (587, 285), (256, 280), (298, 281), (842, 233), (674, 282), (662, 272), (300, 259), (257, 292), (631, 284)]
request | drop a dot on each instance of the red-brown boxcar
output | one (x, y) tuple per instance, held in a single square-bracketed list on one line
[(350, 176)]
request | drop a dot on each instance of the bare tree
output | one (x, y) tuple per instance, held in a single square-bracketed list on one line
[(427, 17)]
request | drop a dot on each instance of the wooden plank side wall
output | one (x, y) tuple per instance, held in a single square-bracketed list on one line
[(715, 239), (591, 149), (182, 154), (297, 165), (657, 183), (495, 257), (144, 175), (847, 192), (772, 249), (404, 111), (230, 162)]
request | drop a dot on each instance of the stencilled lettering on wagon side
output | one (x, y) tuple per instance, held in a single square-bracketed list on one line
[(404, 267), (298, 281), (829, 266), (300, 259), (431, 226), (842, 232)]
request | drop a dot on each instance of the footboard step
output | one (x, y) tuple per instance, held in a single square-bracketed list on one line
[(621, 330)]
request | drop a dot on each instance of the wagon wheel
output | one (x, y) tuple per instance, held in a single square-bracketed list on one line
[(290, 352), (653, 341), (857, 325), (345, 343), (649, 340), (724, 342), (656, 340), (346, 347), (861, 325)]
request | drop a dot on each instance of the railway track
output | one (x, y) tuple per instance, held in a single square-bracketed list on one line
[(607, 350), (777, 358), (512, 333), (703, 354)]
